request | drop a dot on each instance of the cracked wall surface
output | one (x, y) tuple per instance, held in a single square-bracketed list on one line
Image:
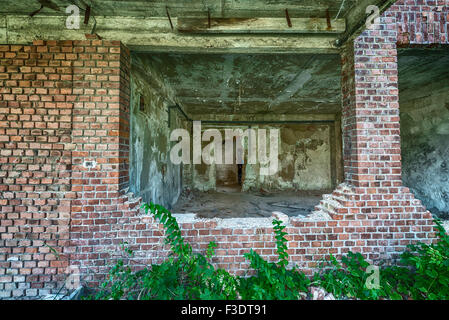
[(424, 105), (304, 161), (152, 175)]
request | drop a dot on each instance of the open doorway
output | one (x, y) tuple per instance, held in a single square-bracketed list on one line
[(229, 177)]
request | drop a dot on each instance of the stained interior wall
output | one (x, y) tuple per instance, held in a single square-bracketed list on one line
[(305, 161), (424, 106), (152, 175)]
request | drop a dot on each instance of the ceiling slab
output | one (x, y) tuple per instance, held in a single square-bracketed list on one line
[(352, 11), (252, 83)]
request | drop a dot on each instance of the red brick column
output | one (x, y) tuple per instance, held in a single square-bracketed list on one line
[(101, 137), (100, 120), (370, 115), (62, 103)]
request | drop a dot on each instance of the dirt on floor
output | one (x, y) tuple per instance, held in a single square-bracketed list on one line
[(230, 202)]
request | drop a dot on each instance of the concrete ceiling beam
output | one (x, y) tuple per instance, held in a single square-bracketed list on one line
[(189, 8), (264, 117), (155, 34), (260, 25)]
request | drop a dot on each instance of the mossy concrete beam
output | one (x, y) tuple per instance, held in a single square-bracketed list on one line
[(155, 34), (265, 117)]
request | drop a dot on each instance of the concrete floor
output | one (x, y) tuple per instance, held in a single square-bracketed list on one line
[(229, 202)]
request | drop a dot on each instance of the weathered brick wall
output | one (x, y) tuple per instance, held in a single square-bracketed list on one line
[(420, 22), (35, 133), (64, 103), (100, 134)]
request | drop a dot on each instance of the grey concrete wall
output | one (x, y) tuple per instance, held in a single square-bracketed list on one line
[(305, 161), (425, 144), (152, 175)]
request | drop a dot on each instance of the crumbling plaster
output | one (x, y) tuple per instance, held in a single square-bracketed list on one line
[(424, 105), (152, 174)]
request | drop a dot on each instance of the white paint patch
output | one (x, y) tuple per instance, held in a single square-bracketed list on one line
[(89, 164), (13, 258), (249, 223)]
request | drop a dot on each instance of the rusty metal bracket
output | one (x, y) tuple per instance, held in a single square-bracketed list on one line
[(87, 15), (32, 14), (289, 22), (328, 19), (168, 16)]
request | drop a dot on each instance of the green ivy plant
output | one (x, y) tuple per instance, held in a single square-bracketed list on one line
[(429, 268), (183, 276), (423, 273), (273, 280)]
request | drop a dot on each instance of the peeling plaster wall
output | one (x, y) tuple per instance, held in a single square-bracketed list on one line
[(304, 161), (152, 175), (425, 146)]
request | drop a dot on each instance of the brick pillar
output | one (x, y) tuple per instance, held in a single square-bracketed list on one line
[(100, 122), (371, 134), (124, 128), (101, 136), (370, 115)]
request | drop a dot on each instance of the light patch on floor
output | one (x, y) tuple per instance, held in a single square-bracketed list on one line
[(229, 202)]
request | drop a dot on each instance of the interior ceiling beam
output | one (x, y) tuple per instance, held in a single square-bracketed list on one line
[(260, 25), (265, 117), (155, 34), (188, 8)]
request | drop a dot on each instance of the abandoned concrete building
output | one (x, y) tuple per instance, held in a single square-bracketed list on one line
[(91, 92)]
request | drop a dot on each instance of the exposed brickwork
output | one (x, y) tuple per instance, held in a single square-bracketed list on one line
[(61, 103), (370, 115), (35, 133), (421, 22), (64, 103)]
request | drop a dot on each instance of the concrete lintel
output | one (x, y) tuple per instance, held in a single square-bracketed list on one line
[(264, 117), (260, 25), (248, 223), (155, 34)]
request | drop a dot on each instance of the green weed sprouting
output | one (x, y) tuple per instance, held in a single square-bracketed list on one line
[(422, 274)]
